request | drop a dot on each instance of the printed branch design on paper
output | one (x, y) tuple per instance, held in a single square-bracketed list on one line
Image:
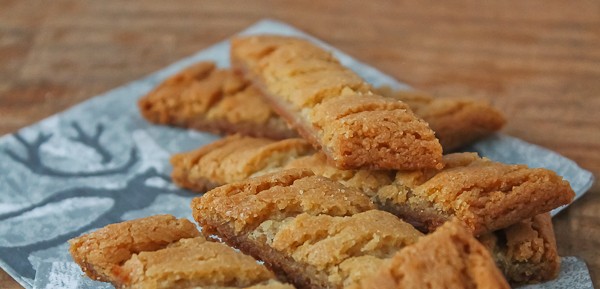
[(33, 160), (92, 141), (136, 195)]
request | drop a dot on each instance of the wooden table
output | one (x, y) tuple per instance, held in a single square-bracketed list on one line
[(538, 61)]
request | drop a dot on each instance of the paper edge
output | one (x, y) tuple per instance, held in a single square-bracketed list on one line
[(9, 270)]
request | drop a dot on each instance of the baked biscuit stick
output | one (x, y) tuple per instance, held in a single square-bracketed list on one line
[(526, 252), (163, 252), (333, 108), (99, 254), (284, 193), (234, 158), (216, 100), (314, 231), (456, 122), (484, 195), (448, 258)]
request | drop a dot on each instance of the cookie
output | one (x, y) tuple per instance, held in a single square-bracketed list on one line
[(164, 252), (526, 252), (333, 108), (457, 122), (206, 98), (448, 258)]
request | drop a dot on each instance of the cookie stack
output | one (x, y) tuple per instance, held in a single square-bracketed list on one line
[(363, 198)]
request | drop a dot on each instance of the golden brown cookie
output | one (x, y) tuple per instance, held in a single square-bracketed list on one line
[(216, 100), (526, 252), (455, 121), (483, 194), (333, 108), (244, 205), (164, 252), (100, 253), (316, 232), (449, 258), (195, 263), (233, 158)]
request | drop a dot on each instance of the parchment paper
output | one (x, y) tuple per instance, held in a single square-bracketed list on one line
[(100, 163)]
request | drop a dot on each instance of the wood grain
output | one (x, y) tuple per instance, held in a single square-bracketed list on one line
[(538, 61)]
